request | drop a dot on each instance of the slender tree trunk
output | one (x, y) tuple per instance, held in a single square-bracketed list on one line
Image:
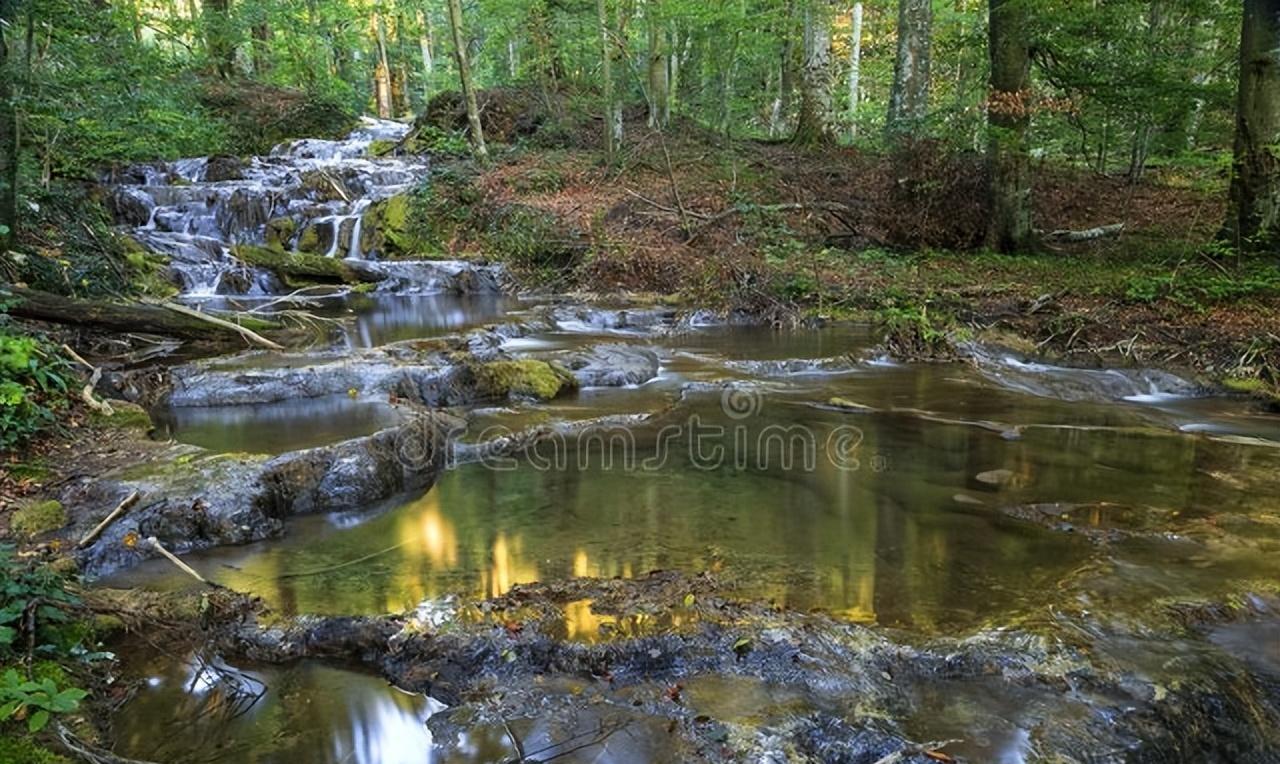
[(220, 36), (464, 75), (382, 70), (673, 72), (606, 76), (8, 133), (1253, 222), (428, 63), (909, 98), (855, 67), (262, 48), (657, 68), (786, 74), (1008, 117), (814, 123)]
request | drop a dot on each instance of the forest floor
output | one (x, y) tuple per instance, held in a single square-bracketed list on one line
[(786, 231)]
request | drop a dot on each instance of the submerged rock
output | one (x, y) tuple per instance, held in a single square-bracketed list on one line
[(611, 365)]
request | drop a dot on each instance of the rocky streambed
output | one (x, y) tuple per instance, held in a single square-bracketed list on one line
[(632, 532)]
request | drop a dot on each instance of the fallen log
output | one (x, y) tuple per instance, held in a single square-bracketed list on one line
[(127, 317), (1089, 234), (297, 265)]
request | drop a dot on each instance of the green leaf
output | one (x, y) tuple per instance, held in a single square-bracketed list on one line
[(37, 721)]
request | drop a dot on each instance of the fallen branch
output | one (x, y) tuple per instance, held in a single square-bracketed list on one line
[(115, 514), (182, 566), (931, 750), (86, 394), (1089, 234), (89, 753), (834, 208), (247, 333)]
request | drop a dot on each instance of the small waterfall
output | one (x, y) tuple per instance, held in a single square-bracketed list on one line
[(195, 210)]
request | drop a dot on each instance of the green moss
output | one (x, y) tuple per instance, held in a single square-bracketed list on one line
[(280, 232), (297, 264), (526, 378), (125, 416), (23, 750), (148, 273), (29, 471), (38, 518), (1251, 385), (309, 241), (381, 148), (390, 228)]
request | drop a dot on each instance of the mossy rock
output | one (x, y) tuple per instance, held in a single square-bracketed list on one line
[(297, 264), (325, 186), (280, 232), (148, 273), (526, 378), (309, 241), (390, 229), (124, 416), (381, 148), (41, 517)]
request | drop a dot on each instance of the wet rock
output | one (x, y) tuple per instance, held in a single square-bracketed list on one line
[(433, 276), (129, 206), (280, 232), (522, 378), (193, 499), (994, 477), (611, 365), (796, 366), (629, 321), (222, 167)]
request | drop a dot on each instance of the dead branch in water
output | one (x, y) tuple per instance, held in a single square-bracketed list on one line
[(182, 566), (245, 332), (86, 394)]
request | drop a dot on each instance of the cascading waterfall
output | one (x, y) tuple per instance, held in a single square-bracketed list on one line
[(314, 192)]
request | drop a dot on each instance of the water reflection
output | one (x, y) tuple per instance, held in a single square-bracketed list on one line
[(214, 714), (272, 428), (385, 319)]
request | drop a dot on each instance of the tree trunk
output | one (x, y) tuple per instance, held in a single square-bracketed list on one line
[(855, 67), (909, 99), (220, 36), (262, 48), (1008, 117), (657, 68), (138, 317), (428, 63), (8, 134), (786, 75), (606, 77), (382, 70), (814, 123), (1253, 222), (464, 75)]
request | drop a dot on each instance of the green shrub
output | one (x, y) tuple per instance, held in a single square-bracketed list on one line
[(33, 385)]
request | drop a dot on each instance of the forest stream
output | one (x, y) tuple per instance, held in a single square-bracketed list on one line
[(998, 552)]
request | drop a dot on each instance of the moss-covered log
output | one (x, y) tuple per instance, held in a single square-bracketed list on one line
[(125, 317), (295, 265)]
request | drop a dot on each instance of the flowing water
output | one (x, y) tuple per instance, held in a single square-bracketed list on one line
[(932, 499)]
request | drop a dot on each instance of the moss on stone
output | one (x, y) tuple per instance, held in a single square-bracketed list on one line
[(296, 264), (381, 148), (125, 416), (148, 273), (38, 518), (1252, 385), (526, 378), (280, 232), (390, 228), (309, 241)]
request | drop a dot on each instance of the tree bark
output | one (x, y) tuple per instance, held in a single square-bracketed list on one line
[(382, 70), (909, 98), (139, 317), (464, 75), (855, 67), (1008, 118), (813, 126), (657, 68), (220, 36), (428, 64), (1253, 222), (786, 75), (606, 77), (262, 48), (8, 134)]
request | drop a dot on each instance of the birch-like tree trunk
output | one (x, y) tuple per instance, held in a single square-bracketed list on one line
[(1253, 221), (381, 70), (606, 77), (814, 122), (909, 98), (1008, 118), (428, 61), (464, 76), (855, 67), (657, 69)]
